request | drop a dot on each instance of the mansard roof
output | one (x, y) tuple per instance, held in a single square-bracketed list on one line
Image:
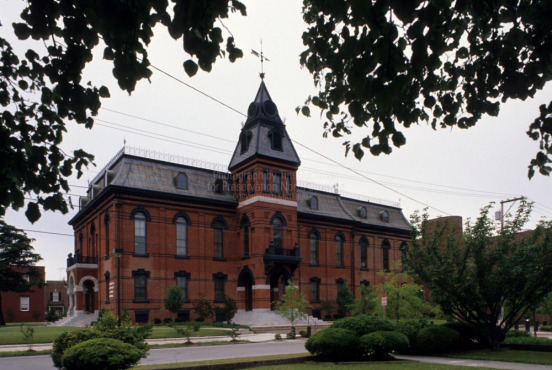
[(264, 134)]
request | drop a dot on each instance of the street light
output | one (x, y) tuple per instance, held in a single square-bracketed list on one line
[(118, 252)]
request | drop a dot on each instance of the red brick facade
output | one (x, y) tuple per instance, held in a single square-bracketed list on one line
[(24, 306), (241, 233)]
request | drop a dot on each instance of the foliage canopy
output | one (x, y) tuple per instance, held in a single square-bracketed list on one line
[(384, 64)]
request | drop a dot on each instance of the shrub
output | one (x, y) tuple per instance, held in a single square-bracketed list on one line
[(363, 324), (278, 336), (167, 320), (303, 333), (381, 343), (101, 354), (470, 337), (157, 321), (533, 341), (334, 344), (410, 328), (68, 340), (546, 328), (436, 339), (517, 334)]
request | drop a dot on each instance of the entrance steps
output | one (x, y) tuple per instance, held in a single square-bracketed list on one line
[(79, 319), (265, 320)]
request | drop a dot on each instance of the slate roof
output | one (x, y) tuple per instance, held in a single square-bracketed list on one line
[(262, 118)]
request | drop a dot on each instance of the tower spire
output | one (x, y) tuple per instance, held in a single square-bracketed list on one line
[(262, 57)]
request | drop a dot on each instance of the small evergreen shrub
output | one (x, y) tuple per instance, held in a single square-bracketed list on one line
[(380, 343), (436, 339), (546, 328), (101, 354), (410, 328), (517, 334), (278, 336), (363, 324), (303, 333), (157, 321), (334, 344), (68, 340), (167, 320), (470, 337), (533, 341)]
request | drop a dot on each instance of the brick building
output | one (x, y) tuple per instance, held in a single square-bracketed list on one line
[(147, 224), (25, 306), (55, 297)]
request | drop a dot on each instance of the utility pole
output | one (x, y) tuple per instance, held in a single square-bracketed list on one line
[(502, 209)]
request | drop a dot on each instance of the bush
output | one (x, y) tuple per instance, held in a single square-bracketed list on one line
[(167, 320), (470, 337), (517, 334), (363, 324), (101, 354), (533, 341), (303, 333), (436, 339), (546, 328), (334, 344), (278, 336), (410, 328), (157, 321), (380, 343), (68, 340)]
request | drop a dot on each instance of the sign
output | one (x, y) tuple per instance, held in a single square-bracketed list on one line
[(384, 300)]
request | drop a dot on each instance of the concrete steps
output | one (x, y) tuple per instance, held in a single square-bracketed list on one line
[(79, 319), (266, 318)]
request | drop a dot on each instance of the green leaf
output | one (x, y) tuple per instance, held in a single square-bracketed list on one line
[(190, 67), (305, 110), (33, 212)]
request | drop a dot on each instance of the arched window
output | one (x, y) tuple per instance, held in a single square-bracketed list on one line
[(313, 203), (314, 237), (219, 225), (339, 241), (278, 223), (106, 226), (181, 181), (140, 216), (363, 243), (385, 246), (93, 240), (245, 225), (181, 237)]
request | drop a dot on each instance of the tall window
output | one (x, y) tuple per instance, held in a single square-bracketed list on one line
[(219, 279), (140, 233), (181, 237), (265, 181), (140, 284), (277, 235), (24, 303), (246, 241), (339, 240), (315, 289), (403, 248), (276, 183), (363, 252), (314, 237), (93, 240), (288, 184), (107, 282), (106, 226), (385, 246), (275, 137), (218, 226), (182, 278)]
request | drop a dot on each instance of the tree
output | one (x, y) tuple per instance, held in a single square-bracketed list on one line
[(293, 305), (203, 307), (384, 64), (367, 302), (17, 270), (173, 299), (228, 310), (345, 299), (475, 275), (41, 90)]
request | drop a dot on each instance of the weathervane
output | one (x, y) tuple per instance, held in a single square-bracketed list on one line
[(263, 58)]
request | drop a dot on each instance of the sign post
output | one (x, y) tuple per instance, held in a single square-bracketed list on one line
[(384, 304)]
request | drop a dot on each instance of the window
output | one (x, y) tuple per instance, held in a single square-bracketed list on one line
[(218, 186), (246, 241), (55, 296), (313, 203), (107, 285), (384, 216), (24, 303), (245, 139), (106, 225), (288, 184), (140, 233), (252, 175), (277, 235), (218, 225), (339, 284), (141, 316), (265, 181), (140, 285), (339, 240), (315, 289), (181, 237), (93, 239), (403, 248), (275, 137), (362, 212), (219, 280), (276, 183), (385, 246), (363, 252), (181, 181), (182, 278), (26, 278), (314, 237)]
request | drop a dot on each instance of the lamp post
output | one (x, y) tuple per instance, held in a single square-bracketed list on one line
[(118, 252)]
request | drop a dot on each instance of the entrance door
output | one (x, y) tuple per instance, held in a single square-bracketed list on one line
[(89, 296)]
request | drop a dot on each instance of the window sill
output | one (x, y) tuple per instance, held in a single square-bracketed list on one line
[(140, 301), (315, 301), (140, 255), (182, 257), (245, 257), (364, 269), (339, 267), (219, 259), (314, 265)]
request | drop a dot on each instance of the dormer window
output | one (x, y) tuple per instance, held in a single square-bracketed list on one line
[(384, 216), (362, 212), (181, 181), (245, 139), (313, 203), (218, 186), (275, 137)]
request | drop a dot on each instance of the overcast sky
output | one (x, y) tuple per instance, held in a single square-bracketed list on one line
[(454, 172)]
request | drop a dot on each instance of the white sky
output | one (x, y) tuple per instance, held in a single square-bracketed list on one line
[(454, 171)]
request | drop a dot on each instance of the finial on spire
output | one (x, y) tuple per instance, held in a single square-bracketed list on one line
[(262, 57)]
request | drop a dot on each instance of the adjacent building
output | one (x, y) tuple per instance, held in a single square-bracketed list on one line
[(25, 306), (150, 222)]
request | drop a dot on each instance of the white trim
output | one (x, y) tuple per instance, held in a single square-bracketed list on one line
[(260, 287), (87, 277), (241, 289), (263, 198), (82, 266)]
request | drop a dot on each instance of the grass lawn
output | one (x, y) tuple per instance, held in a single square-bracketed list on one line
[(509, 355)]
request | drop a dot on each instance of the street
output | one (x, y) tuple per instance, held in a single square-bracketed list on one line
[(172, 355)]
